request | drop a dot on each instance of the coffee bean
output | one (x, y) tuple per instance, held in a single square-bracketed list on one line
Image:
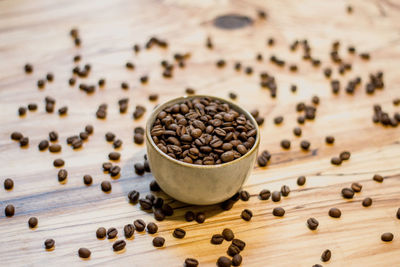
[(16, 136), (264, 194), (301, 180), (9, 210), (305, 145), (54, 148), (378, 178), (87, 179), (398, 214), (227, 156), (107, 166), (49, 243), (112, 233), (105, 186), (236, 260), (224, 262), (312, 223), (278, 211), (32, 222), (119, 245), (28, 68), (139, 168), (246, 215), (228, 234), (24, 141), (387, 237), (53, 136), (233, 250), (345, 155), (115, 170), (200, 217), (8, 184), (84, 253), (58, 163), (101, 233), (285, 144), (145, 204), (326, 255), (110, 136), (336, 161), (239, 243), (190, 262), (133, 196), (217, 239), (43, 145), (190, 216), (329, 139), (158, 202), (356, 187), (154, 186), (158, 241), (167, 210), (244, 195), (21, 111), (335, 213), (129, 229), (367, 202), (114, 156), (276, 196), (179, 233), (32, 106), (138, 138), (263, 158), (278, 120), (347, 193), (297, 131), (285, 190), (62, 175), (140, 225)]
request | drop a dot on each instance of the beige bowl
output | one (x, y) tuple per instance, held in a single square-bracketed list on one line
[(199, 184)]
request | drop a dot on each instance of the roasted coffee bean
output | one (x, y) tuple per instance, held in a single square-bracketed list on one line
[(312, 223), (367, 202), (32, 222), (200, 217), (54, 148), (140, 225), (145, 204), (190, 216), (9, 210), (58, 163), (278, 120), (228, 234), (83, 135), (329, 139), (139, 168), (28, 68), (87, 179), (138, 138), (106, 186), (378, 178), (297, 131), (24, 141), (233, 250), (285, 144), (115, 170), (101, 233), (129, 229), (21, 111), (119, 245), (49, 243), (16, 136), (117, 143), (264, 194), (32, 107), (398, 213), (133, 196), (336, 161), (84, 253), (347, 193), (356, 187), (326, 255), (278, 211), (112, 233), (179, 233), (305, 145), (62, 175), (387, 237), (167, 210), (301, 180), (217, 239), (53, 136), (244, 195), (246, 215), (263, 158), (158, 202), (276, 196), (335, 213), (190, 262), (237, 260), (110, 136), (285, 190), (107, 166), (239, 243), (8, 184), (89, 129), (114, 156), (158, 241), (224, 262), (43, 145), (345, 155), (154, 186)]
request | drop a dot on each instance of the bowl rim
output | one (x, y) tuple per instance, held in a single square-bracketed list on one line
[(236, 107)]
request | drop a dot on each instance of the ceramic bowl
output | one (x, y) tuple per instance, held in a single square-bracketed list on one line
[(199, 184)]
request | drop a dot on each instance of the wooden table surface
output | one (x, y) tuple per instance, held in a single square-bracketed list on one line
[(38, 32)]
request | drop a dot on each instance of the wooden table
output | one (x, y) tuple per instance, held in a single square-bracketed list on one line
[(38, 32)]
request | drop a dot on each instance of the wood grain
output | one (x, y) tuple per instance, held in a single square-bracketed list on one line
[(37, 32)]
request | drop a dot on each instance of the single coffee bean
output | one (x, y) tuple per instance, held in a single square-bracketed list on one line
[(110, 136), (398, 214), (285, 190), (158, 241), (345, 155), (115, 170), (101, 233), (179, 233), (43, 145), (336, 161), (329, 139), (112, 233), (312, 223), (167, 210), (356, 187), (244, 195), (145, 204), (89, 129), (133, 196), (200, 217), (278, 211), (114, 156), (21, 111), (62, 175), (154, 186), (107, 166), (140, 225), (285, 144), (138, 139), (55, 148), (246, 215), (24, 141), (378, 178), (129, 229), (387, 237), (347, 193), (190, 216), (9, 210), (158, 214), (305, 145), (190, 262), (297, 131), (49, 243), (276, 196), (237, 260), (239, 243), (119, 245), (367, 202), (8, 184), (32, 107), (301, 180), (28, 68), (278, 120), (53, 136), (58, 162), (224, 262), (326, 255), (335, 213), (106, 186), (32, 222), (139, 168), (228, 234), (16, 136), (87, 179), (217, 239), (84, 253), (265, 194), (233, 250)]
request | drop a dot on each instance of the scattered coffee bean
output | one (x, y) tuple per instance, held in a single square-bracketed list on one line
[(345, 155), (278, 211), (112, 233), (58, 162), (312, 223), (378, 178), (347, 193), (140, 225), (145, 204), (217, 239), (367, 202), (55, 148), (200, 217), (167, 210), (179, 233), (53, 136), (356, 187), (387, 237), (110, 136), (101, 233), (276, 196), (190, 216), (28, 68), (62, 175), (32, 106), (16, 136), (237, 260), (8, 184), (244, 195), (114, 156), (84, 253), (158, 241), (49, 243), (398, 214), (301, 180), (246, 214), (278, 120), (233, 250), (305, 145), (44, 144), (224, 262), (87, 179), (228, 234), (9, 210), (133, 196), (263, 158), (336, 161), (106, 186), (107, 166), (326, 255), (24, 141), (285, 144), (139, 168), (335, 213), (297, 131), (329, 139), (119, 245), (129, 229), (32, 222), (190, 262), (285, 190), (239, 243), (265, 194)]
